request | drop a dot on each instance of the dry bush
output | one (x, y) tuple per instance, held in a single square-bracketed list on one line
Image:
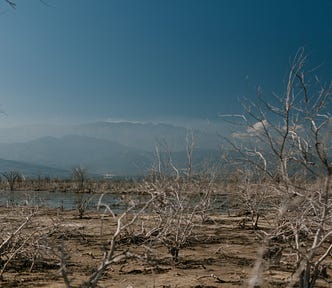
[(256, 200), (26, 241), (179, 205), (111, 248)]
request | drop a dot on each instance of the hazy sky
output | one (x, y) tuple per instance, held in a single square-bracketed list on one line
[(88, 60)]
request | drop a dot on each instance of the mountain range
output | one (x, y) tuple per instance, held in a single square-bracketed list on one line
[(121, 149)]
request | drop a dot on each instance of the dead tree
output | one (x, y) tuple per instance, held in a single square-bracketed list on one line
[(80, 176), (190, 144), (12, 177), (289, 140), (176, 209)]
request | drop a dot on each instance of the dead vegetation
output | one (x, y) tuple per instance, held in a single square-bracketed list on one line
[(75, 249), (54, 248)]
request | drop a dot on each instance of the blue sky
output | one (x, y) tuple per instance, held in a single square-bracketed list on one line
[(151, 60)]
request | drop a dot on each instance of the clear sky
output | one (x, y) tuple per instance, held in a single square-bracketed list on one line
[(89, 60)]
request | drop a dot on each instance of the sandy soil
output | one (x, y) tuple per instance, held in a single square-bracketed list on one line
[(221, 254)]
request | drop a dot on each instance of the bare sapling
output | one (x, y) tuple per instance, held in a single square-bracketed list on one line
[(255, 199), (82, 205), (80, 177)]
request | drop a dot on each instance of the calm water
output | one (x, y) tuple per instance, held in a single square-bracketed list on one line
[(64, 200), (70, 200)]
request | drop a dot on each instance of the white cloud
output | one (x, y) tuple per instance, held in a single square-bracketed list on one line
[(123, 120), (257, 128), (253, 130), (239, 135)]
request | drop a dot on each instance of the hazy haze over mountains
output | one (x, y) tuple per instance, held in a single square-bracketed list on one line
[(134, 134), (122, 148)]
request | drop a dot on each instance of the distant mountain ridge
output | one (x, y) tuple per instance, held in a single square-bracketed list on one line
[(122, 149), (142, 136)]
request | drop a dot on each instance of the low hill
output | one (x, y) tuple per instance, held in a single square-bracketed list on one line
[(32, 170)]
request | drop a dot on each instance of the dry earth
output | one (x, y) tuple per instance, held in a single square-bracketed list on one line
[(222, 254)]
